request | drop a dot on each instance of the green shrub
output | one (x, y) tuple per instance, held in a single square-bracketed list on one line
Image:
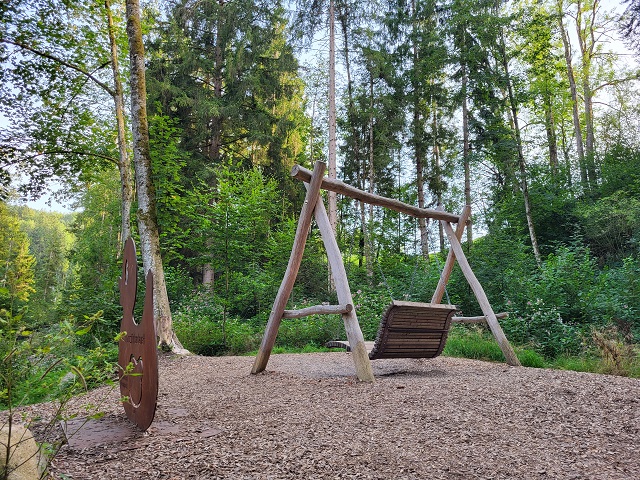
[(370, 304), (542, 327), (315, 330), (617, 355), (618, 300), (199, 335), (242, 337)]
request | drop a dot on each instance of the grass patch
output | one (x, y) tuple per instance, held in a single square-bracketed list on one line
[(473, 346), (475, 343), (576, 364)]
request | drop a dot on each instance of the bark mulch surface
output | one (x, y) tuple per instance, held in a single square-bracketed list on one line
[(307, 417)]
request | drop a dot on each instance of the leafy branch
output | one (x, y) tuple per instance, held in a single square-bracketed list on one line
[(61, 61)]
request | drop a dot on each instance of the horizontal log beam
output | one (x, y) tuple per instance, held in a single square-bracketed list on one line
[(479, 319), (318, 310), (338, 186)]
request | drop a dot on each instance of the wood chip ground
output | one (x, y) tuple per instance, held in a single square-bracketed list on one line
[(307, 417)]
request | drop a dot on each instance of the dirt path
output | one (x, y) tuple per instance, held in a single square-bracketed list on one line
[(307, 418)]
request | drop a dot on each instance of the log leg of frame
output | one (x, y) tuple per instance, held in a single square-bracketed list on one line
[(364, 372), (451, 257), (492, 321), (302, 232)]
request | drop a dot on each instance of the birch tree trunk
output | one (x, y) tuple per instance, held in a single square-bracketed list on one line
[(124, 164), (521, 161), (365, 250), (574, 93), (147, 221), (585, 29)]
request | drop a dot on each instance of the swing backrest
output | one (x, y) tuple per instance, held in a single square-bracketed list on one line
[(412, 330)]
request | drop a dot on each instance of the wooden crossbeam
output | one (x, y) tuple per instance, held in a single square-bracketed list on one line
[(342, 188), (478, 319), (318, 310)]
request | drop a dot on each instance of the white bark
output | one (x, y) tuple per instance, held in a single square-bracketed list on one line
[(147, 221)]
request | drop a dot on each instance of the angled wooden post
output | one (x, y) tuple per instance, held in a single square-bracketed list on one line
[(451, 257), (492, 321), (364, 372), (302, 232)]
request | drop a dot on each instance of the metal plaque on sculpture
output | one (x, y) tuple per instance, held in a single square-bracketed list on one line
[(137, 354)]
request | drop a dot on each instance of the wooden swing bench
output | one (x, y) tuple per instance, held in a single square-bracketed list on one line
[(412, 330), (407, 329)]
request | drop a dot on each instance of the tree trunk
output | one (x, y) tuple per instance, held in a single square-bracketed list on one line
[(565, 154), (574, 94), (147, 221), (364, 250), (332, 196), (215, 144), (521, 162), (372, 181), (552, 140), (586, 40), (466, 151), (419, 147), (438, 172), (124, 163)]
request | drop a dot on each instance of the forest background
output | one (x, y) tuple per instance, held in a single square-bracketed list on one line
[(525, 110)]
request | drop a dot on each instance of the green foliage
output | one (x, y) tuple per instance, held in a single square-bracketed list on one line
[(612, 225), (92, 281), (226, 73), (542, 327), (370, 305), (617, 300), (16, 264), (54, 91), (41, 366), (179, 284), (50, 244), (620, 171), (479, 344)]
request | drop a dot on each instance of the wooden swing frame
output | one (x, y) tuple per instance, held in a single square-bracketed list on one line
[(313, 207)]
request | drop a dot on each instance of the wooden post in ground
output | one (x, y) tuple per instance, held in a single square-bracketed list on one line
[(492, 321), (364, 372), (451, 258), (302, 232)]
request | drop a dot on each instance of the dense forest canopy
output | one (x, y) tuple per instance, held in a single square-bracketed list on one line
[(526, 110)]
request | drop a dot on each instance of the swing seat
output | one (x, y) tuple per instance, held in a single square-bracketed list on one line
[(412, 330), (409, 330)]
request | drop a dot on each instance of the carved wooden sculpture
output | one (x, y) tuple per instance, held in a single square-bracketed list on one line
[(137, 354)]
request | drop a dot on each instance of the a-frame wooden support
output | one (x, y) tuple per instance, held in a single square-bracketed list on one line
[(456, 252), (314, 207)]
